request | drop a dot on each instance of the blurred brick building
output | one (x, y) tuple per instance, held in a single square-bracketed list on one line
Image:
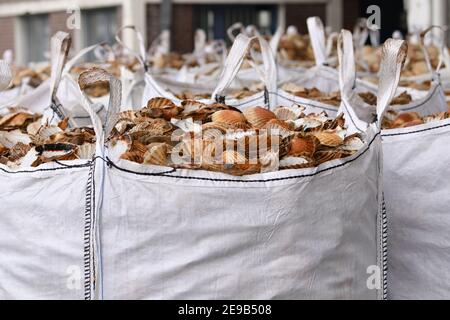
[(26, 25)]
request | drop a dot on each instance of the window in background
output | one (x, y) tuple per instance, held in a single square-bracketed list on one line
[(99, 25), (36, 38), (215, 19)]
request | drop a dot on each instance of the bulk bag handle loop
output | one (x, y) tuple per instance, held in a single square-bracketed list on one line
[(234, 61), (102, 131), (235, 26), (393, 57), (268, 74), (142, 58), (347, 82), (317, 37), (60, 68), (71, 63), (275, 40), (142, 54), (160, 45), (346, 56), (392, 60), (60, 46), (441, 44), (93, 77), (361, 32), (329, 47), (59, 49)]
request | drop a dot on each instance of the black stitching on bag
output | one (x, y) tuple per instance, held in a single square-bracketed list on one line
[(112, 164), (87, 240), (166, 174), (418, 131), (62, 164), (384, 248)]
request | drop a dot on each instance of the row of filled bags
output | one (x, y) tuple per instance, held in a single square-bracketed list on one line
[(199, 75), (105, 226), (314, 54)]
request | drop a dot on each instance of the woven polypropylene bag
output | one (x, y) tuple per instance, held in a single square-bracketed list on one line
[(296, 234), (47, 229)]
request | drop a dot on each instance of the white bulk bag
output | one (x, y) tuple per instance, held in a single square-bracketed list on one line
[(417, 189), (416, 200), (46, 225), (297, 234), (199, 79), (58, 97), (37, 99), (434, 100), (12, 96), (47, 230), (361, 34), (395, 183), (68, 93), (417, 192), (43, 99), (205, 72), (361, 112), (205, 78), (26, 95), (433, 35)]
